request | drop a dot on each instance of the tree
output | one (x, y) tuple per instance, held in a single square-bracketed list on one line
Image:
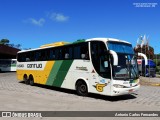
[(145, 49), (4, 41), (18, 46)]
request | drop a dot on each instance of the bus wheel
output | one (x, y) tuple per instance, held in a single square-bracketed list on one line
[(31, 80), (26, 81), (81, 88)]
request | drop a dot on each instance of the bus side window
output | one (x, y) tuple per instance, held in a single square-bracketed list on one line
[(37, 55), (43, 56), (84, 51), (66, 55), (60, 55), (52, 54), (27, 57), (23, 57), (32, 56), (70, 52), (56, 54), (76, 54), (47, 54), (19, 58), (67, 52), (81, 51)]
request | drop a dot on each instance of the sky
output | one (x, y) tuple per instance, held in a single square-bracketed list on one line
[(33, 23)]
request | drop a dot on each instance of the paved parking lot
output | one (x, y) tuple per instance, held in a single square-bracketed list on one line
[(153, 81), (17, 96)]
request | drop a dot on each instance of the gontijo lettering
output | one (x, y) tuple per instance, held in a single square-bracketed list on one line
[(34, 65)]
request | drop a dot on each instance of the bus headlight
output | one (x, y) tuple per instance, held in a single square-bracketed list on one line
[(118, 86)]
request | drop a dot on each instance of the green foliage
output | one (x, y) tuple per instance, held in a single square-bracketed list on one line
[(147, 50), (79, 40), (4, 41), (157, 62), (157, 69)]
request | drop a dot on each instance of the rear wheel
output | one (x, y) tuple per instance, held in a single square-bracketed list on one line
[(81, 88), (25, 79), (31, 80)]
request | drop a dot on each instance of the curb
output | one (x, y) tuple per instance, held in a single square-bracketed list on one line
[(155, 84)]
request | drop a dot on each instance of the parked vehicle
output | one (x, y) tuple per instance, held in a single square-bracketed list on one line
[(7, 65), (146, 70)]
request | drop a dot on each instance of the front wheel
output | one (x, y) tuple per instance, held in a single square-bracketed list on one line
[(81, 88)]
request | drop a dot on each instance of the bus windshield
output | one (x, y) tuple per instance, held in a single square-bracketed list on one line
[(127, 67)]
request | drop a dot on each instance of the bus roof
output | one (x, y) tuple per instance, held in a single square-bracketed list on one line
[(107, 39), (56, 44)]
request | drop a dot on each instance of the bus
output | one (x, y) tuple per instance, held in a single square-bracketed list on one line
[(103, 66), (7, 65)]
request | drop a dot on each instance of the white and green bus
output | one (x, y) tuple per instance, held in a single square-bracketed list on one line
[(104, 66), (7, 65)]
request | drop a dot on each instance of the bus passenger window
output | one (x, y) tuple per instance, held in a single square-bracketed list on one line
[(52, 55), (77, 52), (84, 50), (81, 51), (66, 56)]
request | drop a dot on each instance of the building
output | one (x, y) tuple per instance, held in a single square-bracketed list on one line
[(7, 52)]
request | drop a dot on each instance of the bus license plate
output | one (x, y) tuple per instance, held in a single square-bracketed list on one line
[(131, 90)]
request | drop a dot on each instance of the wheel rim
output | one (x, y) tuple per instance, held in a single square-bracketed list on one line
[(83, 88), (25, 80), (31, 82)]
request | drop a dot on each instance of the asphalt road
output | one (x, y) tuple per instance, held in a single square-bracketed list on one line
[(16, 96)]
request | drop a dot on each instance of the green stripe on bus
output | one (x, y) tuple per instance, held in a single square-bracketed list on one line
[(62, 73), (54, 71), (13, 65)]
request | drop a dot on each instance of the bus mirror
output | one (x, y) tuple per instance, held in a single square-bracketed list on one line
[(144, 56), (115, 57)]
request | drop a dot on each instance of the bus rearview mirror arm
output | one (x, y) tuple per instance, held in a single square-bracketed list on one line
[(115, 57), (144, 56)]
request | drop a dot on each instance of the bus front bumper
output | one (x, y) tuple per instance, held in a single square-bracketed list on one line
[(124, 91)]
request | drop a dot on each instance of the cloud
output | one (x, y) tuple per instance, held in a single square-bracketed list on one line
[(58, 17), (39, 22)]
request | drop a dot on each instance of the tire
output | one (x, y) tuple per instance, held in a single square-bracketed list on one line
[(31, 81), (81, 88), (26, 81)]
